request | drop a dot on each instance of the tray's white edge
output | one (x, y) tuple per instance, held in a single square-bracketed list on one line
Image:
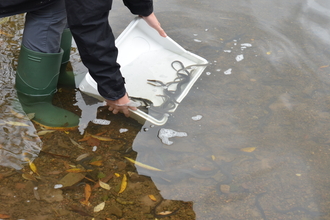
[(141, 114)]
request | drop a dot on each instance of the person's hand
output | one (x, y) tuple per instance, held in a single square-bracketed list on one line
[(122, 105), (154, 23)]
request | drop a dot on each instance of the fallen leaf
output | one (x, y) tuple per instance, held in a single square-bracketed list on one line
[(99, 207), (77, 170), (33, 167), (117, 174), (43, 132), (82, 156), (321, 67), (28, 176), (143, 165), (31, 115), (105, 179), (4, 216), (123, 184), (76, 144), (88, 192), (248, 149), (101, 138), (17, 114), (97, 163), (104, 185), (15, 123), (152, 197)]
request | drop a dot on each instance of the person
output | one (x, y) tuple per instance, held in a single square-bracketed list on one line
[(45, 52)]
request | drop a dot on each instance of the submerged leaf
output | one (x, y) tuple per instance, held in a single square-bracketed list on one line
[(28, 176), (15, 123), (32, 166), (123, 184), (31, 115), (76, 144), (248, 149), (152, 197), (142, 165), (82, 156), (97, 163), (101, 138), (88, 192), (43, 132), (77, 170), (4, 216), (99, 207), (104, 185)]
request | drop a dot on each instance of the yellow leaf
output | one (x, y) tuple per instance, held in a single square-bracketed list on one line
[(268, 53), (143, 165), (32, 166), (152, 197), (77, 170), (97, 163), (248, 149), (321, 67), (123, 184), (104, 185), (213, 157), (101, 138), (43, 132), (117, 174), (15, 123), (99, 207)]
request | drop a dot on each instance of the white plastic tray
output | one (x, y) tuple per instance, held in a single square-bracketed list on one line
[(144, 55)]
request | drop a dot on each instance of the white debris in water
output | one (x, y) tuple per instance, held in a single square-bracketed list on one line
[(208, 73), (58, 186), (227, 51), (195, 35), (122, 130), (164, 134), (239, 57), (101, 121), (227, 72), (196, 40), (196, 117), (246, 45), (94, 148), (218, 70), (206, 29)]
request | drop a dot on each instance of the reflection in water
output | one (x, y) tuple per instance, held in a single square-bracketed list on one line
[(260, 149), (19, 141)]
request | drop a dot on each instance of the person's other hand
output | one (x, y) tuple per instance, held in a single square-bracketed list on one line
[(122, 105), (154, 23)]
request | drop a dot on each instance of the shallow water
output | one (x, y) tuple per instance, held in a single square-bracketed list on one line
[(261, 148)]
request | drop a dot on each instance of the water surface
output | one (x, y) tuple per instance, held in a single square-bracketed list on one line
[(261, 147)]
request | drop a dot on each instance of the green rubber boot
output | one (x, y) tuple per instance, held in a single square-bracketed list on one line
[(36, 83), (66, 77)]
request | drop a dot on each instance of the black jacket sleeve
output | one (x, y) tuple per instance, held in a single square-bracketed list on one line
[(88, 22), (140, 7), (12, 7)]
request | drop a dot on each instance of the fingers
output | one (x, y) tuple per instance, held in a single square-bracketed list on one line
[(124, 109)]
